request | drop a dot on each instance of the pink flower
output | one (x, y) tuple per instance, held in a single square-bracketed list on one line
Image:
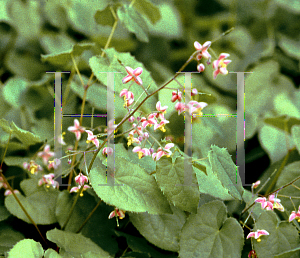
[(271, 203), (252, 254), (81, 179), (256, 184), (77, 129), (61, 139), (295, 215), (197, 109), (54, 164), (142, 152), (161, 125), (150, 120), (257, 234), (111, 127), (2, 184), (176, 95), (46, 154), (160, 108), (76, 189), (180, 107), (194, 92), (221, 64), (107, 151), (131, 119), (117, 213), (48, 180), (8, 192), (200, 68), (156, 156), (92, 138), (32, 167), (128, 97), (133, 75), (203, 49)]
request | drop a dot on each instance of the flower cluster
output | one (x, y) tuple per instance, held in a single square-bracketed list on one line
[(219, 65), (271, 203)]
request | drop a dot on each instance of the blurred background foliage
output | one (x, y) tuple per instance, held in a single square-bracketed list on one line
[(39, 36)]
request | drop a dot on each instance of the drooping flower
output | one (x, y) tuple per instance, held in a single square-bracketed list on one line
[(149, 121), (220, 65), (128, 97), (295, 215), (77, 188), (200, 68), (133, 75), (77, 129), (111, 127), (92, 138), (32, 167), (48, 181), (160, 152), (180, 107), (54, 164), (107, 151), (258, 234), (141, 152), (176, 95), (118, 214), (46, 154), (81, 179), (199, 106), (256, 184), (194, 92), (203, 49)]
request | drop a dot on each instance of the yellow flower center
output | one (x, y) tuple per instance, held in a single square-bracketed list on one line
[(258, 240), (140, 154)]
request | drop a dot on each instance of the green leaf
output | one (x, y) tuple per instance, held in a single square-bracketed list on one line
[(4, 125), (296, 136), (280, 121), (27, 138), (169, 25), (26, 248), (161, 230), (133, 22), (289, 46), (270, 138), (291, 5), (209, 233), (8, 237), (223, 166), (283, 236), (288, 174), (148, 9), (45, 201), (104, 17), (139, 244), (50, 253), (289, 253), (4, 213), (13, 91), (73, 244), (26, 18), (64, 57), (139, 192), (170, 177)]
